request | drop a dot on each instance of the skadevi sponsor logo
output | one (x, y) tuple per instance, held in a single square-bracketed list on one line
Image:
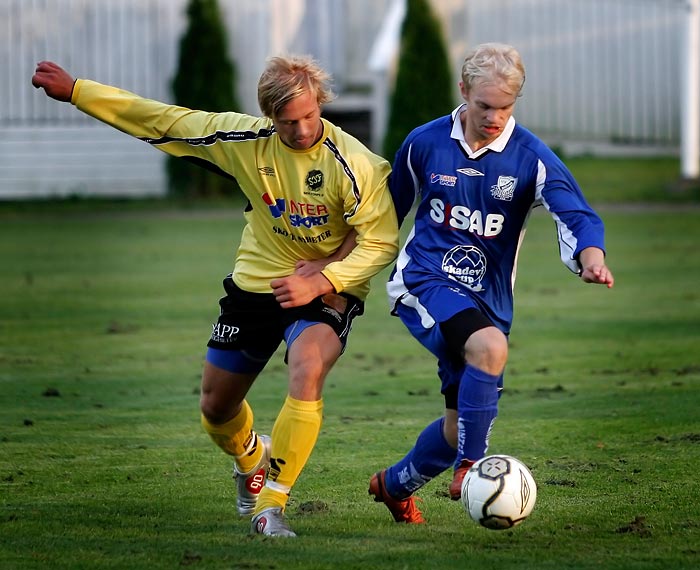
[(443, 179), (466, 264)]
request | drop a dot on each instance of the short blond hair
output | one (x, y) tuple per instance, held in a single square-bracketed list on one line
[(494, 61), (287, 77)]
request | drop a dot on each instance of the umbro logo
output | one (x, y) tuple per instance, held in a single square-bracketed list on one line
[(266, 171), (470, 171)]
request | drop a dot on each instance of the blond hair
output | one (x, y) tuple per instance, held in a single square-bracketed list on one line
[(494, 61), (287, 77)]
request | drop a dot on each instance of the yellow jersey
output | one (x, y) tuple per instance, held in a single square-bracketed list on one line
[(302, 203)]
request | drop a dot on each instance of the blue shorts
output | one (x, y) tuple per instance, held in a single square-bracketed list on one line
[(422, 311), (251, 326), (424, 308)]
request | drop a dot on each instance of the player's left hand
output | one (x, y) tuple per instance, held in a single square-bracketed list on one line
[(593, 267), (598, 273), (297, 290), (307, 267)]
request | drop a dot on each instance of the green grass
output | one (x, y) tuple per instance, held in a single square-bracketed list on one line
[(104, 314), (625, 180)]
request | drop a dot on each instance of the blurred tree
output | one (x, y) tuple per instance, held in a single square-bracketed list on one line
[(205, 79), (424, 84)]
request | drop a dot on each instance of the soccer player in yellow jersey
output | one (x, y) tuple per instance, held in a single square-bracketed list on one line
[(320, 224)]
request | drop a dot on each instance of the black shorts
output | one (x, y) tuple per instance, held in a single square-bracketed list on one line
[(256, 322)]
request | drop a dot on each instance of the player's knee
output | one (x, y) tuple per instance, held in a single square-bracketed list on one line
[(469, 334), (216, 407), (487, 349), (306, 385), (213, 410)]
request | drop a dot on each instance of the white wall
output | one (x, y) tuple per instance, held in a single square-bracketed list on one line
[(599, 72), (50, 149)]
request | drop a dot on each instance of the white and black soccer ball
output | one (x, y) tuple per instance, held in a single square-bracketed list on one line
[(499, 492)]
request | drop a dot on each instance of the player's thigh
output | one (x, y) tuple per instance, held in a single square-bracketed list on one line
[(424, 329), (315, 338), (312, 351)]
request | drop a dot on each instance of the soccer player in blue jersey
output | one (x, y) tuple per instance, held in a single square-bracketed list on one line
[(319, 225), (476, 176)]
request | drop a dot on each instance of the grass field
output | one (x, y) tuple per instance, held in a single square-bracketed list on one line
[(103, 319)]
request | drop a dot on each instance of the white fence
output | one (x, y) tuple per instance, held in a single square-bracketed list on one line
[(599, 72)]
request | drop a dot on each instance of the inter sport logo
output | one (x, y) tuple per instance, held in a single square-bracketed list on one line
[(276, 206), (443, 179)]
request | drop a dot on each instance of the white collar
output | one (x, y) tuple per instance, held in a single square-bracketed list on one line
[(497, 144)]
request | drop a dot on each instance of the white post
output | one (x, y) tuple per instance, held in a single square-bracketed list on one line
[(690, 93), (384, 49)]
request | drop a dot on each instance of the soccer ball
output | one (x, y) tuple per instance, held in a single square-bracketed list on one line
[(499, 492)]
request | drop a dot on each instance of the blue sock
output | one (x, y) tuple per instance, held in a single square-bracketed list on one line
[(430, 456), (477, 407)]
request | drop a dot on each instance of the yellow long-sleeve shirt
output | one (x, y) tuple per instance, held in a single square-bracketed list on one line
[(303, 203)]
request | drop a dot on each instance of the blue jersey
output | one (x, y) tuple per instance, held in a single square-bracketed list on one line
[(472, 211)]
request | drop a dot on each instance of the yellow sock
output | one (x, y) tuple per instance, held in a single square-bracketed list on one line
[(293, 438), (237, 438), (269, 498)]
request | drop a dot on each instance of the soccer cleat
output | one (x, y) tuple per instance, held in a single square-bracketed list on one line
[(270, 522), (404, 510), (250, 484), (458, 479)]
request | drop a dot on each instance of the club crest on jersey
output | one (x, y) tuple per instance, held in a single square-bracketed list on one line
[(314, 180), (443, 179), (466, 264), (505, 188)]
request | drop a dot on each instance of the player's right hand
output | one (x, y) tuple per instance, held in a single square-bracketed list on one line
[(55, 80), (297, 290)]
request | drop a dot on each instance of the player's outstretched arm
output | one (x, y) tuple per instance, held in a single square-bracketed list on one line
[(55, 80), (594, 269)]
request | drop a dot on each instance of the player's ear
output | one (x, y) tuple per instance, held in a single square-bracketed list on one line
[(463, 90)]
